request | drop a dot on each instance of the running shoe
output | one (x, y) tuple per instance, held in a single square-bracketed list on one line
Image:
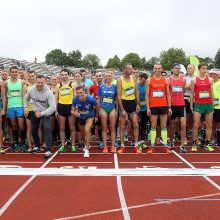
[(86, 153), (167, 150), (194, 148), (132, 143), (137, 151), (121, 150), (171, 146), (209, 147), (73, 148), (62, 149), (105, 150), (151, 150), (24, 148), (101, 145), (2, 151), (183, 149), (126, 137), (113, 150), (36, 150), (47, 154), (144, 146), (16, 148)]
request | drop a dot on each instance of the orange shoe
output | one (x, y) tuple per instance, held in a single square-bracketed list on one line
[(113, 150), (121, 150), (151, 150), (105, 150), (167, 150), (137, 151)]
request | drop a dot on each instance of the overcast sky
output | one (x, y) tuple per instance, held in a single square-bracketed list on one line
[(32, 28)]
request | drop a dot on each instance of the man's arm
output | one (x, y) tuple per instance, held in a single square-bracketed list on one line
[(27, 98), (119, 95), (3, 98), (192, 88)]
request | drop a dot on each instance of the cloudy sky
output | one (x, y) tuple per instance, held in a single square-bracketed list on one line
[(32, 28)]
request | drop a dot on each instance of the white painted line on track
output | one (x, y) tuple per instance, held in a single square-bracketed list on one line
[(190, 165), (84, 162), (138, 206), (23, 162), (120, 192), (153, 162), (19, 191)]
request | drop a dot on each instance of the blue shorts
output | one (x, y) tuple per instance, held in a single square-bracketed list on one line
[(17, 112)]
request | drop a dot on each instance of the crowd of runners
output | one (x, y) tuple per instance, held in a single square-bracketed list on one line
[(71, 110)]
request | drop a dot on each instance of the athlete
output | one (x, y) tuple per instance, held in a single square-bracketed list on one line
[(64, 98), (128, 101), (83, 110), (107, 96), (202, 99), (158, 105), (15, 89), (2, 113), (177, 85)]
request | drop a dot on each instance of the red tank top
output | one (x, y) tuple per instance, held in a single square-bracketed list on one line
[(157, 90), (177, 91), (202, 91)]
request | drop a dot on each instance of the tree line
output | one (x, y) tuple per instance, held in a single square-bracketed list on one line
[(92, 61)]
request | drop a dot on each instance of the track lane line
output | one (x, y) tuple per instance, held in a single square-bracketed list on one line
[(19, 191), (190, 165), (193, 198), (120, 192)]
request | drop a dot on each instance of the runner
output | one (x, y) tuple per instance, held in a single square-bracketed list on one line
[(43, 107), (143, 118), (64, 98), (128, 101), (2, 113), (215, 74), (31, 82), (83, 110), (202, 98), (107, 95), (86, 81), (15, 89), (79, 82), (136, 73), (177, 85), (158, 105)]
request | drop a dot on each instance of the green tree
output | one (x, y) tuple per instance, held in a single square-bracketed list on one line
[(75, 58), (173, 55), (151, 62), (134, 59), (91, 61), (57, 57), (114, 62), (208, 60), (217, 59)]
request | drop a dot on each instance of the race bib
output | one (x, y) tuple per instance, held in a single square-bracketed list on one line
[(142, 102), (216, 101), (157, 94), (64, 92), (84, 112), (177, 89), (203, 94), (15, 93), (129, 91), (108, 100)]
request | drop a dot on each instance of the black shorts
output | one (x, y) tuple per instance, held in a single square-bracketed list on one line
[(177, 112), (216, 115), (64, 110), (159, 110), (129, 106), (187, 105), (29, 115), (81, 121)]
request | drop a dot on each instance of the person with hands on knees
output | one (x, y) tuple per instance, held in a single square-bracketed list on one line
[(43, 107), (83, 110)]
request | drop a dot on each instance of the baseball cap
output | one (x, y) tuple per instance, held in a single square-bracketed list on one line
[(176, 65), (215, 70)]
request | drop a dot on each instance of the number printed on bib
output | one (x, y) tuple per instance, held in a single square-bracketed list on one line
[(85, 112), (216, 101), (203, 94), (15, 93), (177, 89), (142, 102), (157, 94), (108, 100), (65, 91), (129, 91)]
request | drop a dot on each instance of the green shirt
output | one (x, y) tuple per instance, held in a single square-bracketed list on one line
[(14, 94), (216, 92)]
